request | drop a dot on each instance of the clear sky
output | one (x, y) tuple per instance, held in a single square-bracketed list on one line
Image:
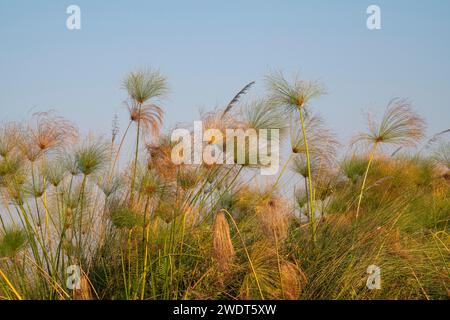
[(210, 49)]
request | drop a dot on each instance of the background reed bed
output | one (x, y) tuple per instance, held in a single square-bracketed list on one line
[(150, 229)]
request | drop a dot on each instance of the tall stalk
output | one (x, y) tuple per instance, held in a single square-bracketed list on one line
[(277, 181), (306, 190), (399, 126), (136, 153), (10, 285), (312, 219), (372, 154), (146, 239), (80, 201), (44, 201), (118, 150), (246, 252)]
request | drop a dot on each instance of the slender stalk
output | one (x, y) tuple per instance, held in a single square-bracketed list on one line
[(80, 202), (36, 201), (306, 190), (124, 274), (312, 218), (47, 223), (136, 153), (144, 276), (279, 265), (280, 175), (372, 154), (118, 150), (64, 229), (18, 296), (213, 208), (147, 235), (246, 252), (129, 259)]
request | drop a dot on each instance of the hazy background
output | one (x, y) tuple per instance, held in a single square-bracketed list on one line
[(210, 49)]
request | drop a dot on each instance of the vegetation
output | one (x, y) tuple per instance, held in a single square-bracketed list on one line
[(151, 229)]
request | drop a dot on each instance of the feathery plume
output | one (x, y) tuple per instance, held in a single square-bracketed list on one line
[(293, 280), (274, 217), (237, 97), (223, 250)]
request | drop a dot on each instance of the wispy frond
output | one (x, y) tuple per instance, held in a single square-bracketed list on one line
[(399, 126), (110, 186), (292, 95), (149, 182), (260, 114), (36, 185), (54, 171), (12, 241), (322, 142), (9, 136), (150, 117), (353, 167), (237, 97), (47, 130), (442, 154), (143, 85), (91, 157), (300, 166)]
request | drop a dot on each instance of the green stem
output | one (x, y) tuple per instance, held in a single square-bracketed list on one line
[(63, 232), (246, 252), (136, 153), (146, 240), (306, 190), (372, 154), (312, 218), (80, 202), (118, 150), (279, 176)]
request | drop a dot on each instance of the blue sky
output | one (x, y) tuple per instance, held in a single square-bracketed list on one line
[(210, 49)]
